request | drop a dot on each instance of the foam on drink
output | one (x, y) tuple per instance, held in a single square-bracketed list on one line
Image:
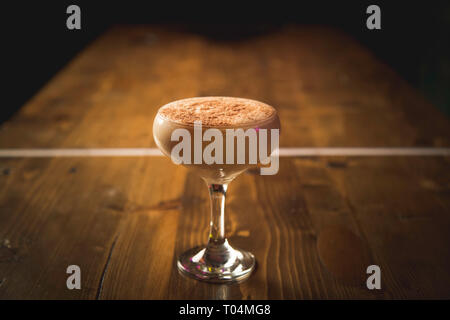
[(217, 111), (221, 113)]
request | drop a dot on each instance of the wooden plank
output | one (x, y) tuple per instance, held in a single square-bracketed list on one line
[(328, 89), (71, 216), (56, 213), (404, 215), (150, 226), (125, 220)]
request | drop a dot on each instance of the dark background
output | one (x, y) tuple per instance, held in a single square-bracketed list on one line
[(414, 39)]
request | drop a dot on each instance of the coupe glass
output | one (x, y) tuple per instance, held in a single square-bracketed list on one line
[(218, 261)]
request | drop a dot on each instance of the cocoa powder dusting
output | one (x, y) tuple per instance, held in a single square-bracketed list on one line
[(217, 111)]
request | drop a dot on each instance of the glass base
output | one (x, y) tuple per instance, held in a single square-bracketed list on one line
[(196, 263)]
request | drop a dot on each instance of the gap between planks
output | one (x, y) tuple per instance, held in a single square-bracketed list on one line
[(283, 152)]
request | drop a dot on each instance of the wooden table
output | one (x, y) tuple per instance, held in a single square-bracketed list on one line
[(314, 227)]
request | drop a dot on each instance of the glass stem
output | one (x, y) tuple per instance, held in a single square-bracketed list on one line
[(218, 250)]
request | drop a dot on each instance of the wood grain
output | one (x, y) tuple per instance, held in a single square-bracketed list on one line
[(125, 220)]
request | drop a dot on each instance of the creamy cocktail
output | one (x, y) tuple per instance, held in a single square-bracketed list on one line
[(219, 138)]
